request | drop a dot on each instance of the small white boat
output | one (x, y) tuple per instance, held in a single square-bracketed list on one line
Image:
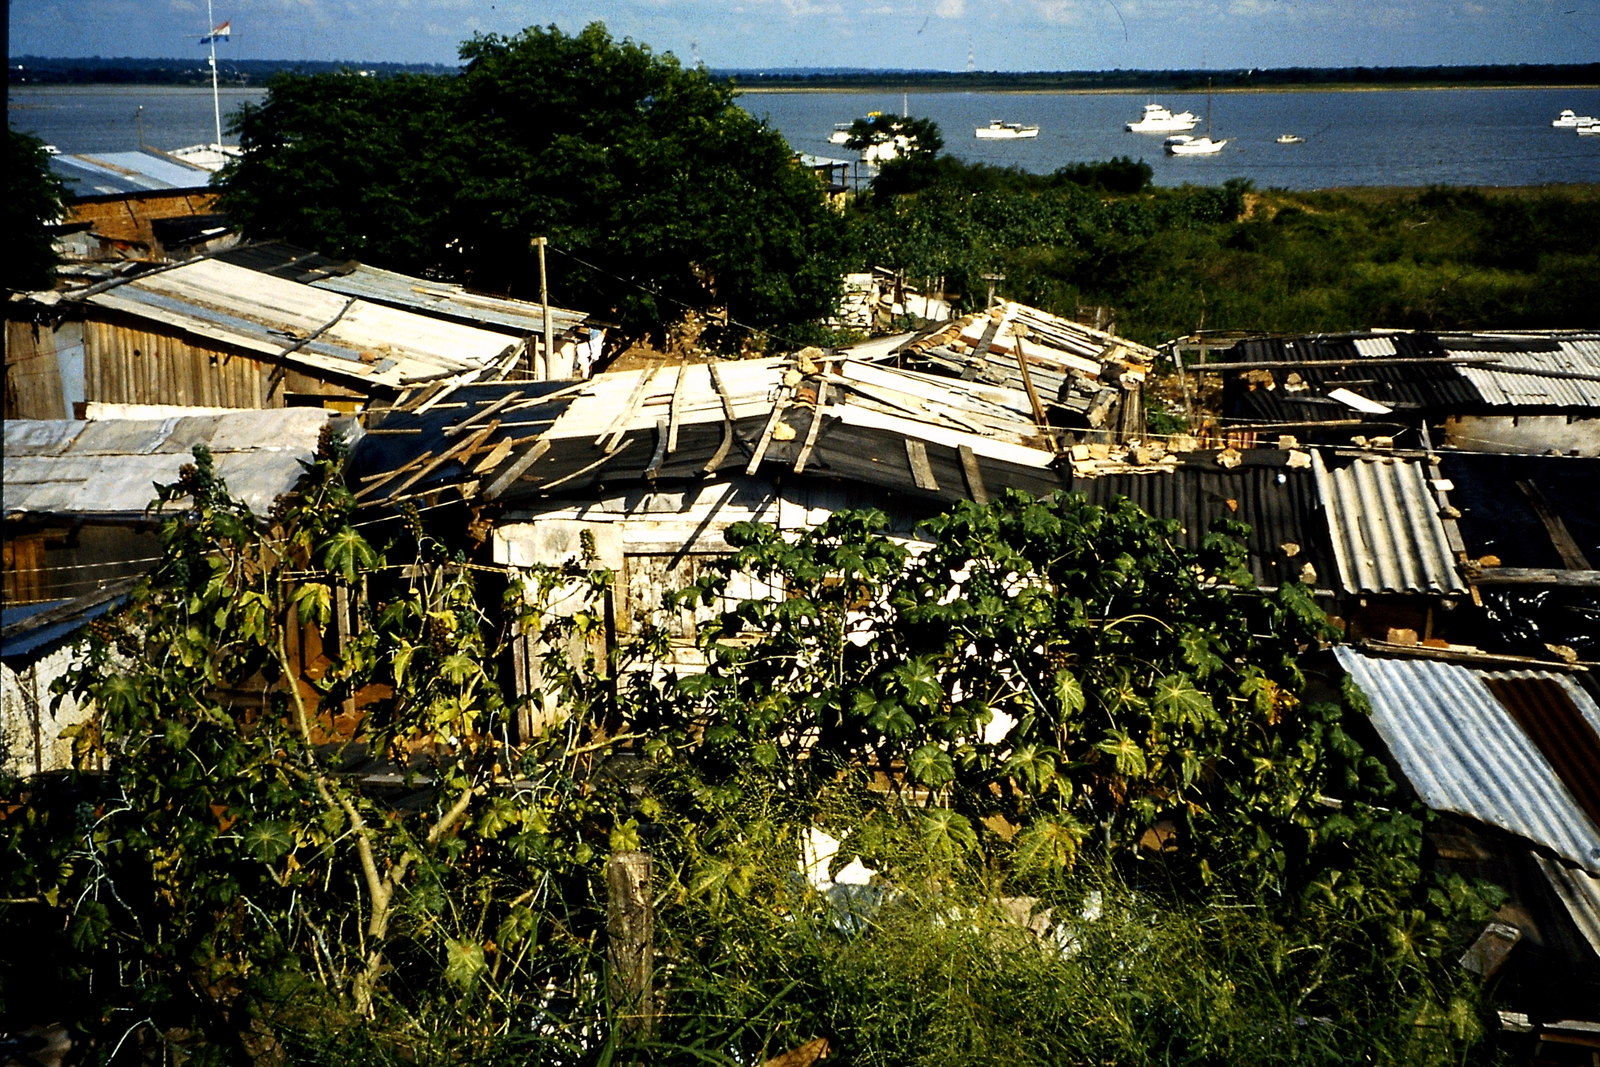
[(1005, 131), (1571, 120), (1185, 145), (1290, 138), (840, 134), (1157, 119), (1591, 130)]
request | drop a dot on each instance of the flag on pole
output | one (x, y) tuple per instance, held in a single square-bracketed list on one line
[(219, 33)]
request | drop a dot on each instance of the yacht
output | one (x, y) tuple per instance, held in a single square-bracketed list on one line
[(1157, 119), (1184, 145), (1571, 120), (1005, 131)]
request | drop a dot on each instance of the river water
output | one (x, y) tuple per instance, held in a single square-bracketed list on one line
[(1487, 137)]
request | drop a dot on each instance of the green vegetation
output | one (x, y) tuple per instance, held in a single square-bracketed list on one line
[(355, 864), (656, 192), (32, 203), (1172, 261)]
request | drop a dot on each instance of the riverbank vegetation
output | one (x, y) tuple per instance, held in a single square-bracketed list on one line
[(1173, 261)]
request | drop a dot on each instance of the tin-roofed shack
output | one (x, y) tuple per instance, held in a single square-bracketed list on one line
[(573, 350), (79, 533), (211, 334)]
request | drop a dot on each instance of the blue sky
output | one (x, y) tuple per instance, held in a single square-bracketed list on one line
[(904, 34)]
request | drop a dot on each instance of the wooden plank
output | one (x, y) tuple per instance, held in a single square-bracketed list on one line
[(921, 472), (722, 392), (612, 435), (481, 414), (1566, 545), (722, 449), (778, 409), (804, 457), (496, 456), (663, 430), (463, 450), (1535, 576), (377, 480), (513, 472), (672, 411), (581, 471), (974, 475)]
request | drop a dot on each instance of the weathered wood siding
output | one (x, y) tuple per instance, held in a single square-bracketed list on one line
[(124, 364), (33, 373)]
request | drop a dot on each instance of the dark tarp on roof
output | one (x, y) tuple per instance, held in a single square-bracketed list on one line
[(1278, 502), (1499, 497), (1409, 388)]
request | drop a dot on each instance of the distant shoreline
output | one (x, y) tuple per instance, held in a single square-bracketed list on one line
[(1379, 88)]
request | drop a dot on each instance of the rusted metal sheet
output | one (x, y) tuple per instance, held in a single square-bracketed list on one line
[(1464, 751)]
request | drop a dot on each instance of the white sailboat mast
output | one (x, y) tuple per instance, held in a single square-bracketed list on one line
[(216, 99)]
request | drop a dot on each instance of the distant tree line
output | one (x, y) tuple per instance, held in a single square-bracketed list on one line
[(47, 70), (95, 70), (1173, 80)]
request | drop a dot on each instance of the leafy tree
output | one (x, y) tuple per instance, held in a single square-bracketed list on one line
[(267, 843), (32, 203), (657, 193), (1149, 694)]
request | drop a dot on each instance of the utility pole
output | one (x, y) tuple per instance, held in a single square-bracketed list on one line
[(547, 357)]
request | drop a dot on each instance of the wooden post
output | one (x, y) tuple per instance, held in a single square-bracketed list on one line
[(547, 358), (630, 933)]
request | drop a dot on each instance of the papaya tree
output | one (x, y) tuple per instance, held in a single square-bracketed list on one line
[(303, 800)]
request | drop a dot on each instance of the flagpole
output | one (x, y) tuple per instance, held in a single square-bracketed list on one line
[(216, 100)]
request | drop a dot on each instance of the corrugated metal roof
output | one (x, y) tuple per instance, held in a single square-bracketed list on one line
[(323, 333), (1278, 502), (1385, 526), (30, 628), (444, 300), (1532, 368), (1342, 361), (109, 173), (108, 469), (1464, 752), (1579, 892), (842, 419)]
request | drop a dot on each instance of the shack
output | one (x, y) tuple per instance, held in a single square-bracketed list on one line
[(211, 334)]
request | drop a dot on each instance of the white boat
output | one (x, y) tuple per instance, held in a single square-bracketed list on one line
[(1571, 120), (1157, 119), (1591, 130), (1184, 145), (1290, 138), (840, 134), (1005, 131)]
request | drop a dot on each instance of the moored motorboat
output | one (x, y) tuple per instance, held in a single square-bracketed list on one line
[(1571, 120), (1005, 131), (1158, 119), (1184, 145), (1290, 138), (1591, 130)]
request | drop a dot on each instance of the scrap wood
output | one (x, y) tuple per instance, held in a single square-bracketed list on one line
[(376, 480), (612, 435), (626, 444), (512, 473), (463, 450), (481, 414), (816, 425)]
